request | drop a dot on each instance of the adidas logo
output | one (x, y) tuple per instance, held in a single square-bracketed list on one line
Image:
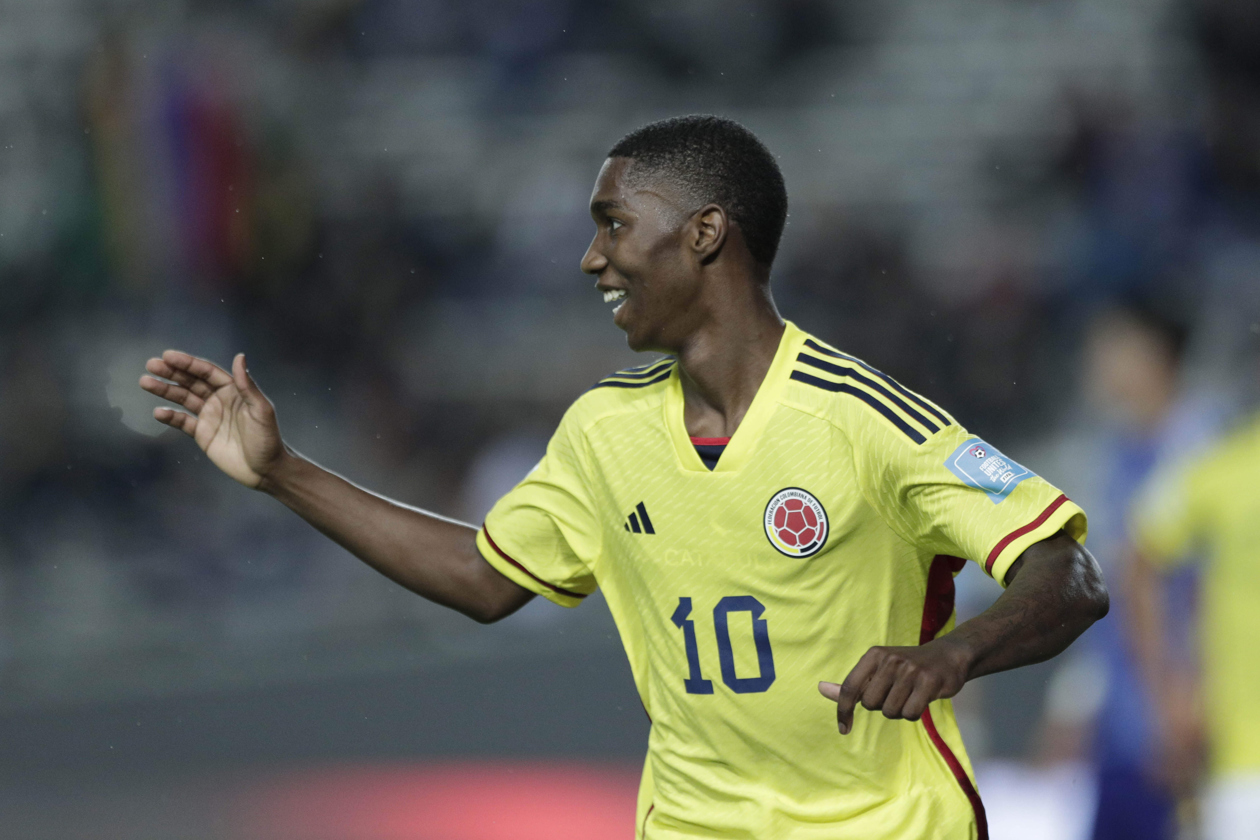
[(639, 522)]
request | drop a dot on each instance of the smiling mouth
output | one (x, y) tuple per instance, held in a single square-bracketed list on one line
[(614, 295)]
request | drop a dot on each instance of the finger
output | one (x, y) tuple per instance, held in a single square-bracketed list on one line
[(200, 368), (851, 689), (174, 393), (903, 686), (916, 704), (186, 423), (880, 683), (200, 387)]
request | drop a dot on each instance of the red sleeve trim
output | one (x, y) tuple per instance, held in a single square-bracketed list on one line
[(1019, 532), (502, 554), (710, 441), (964, 781)]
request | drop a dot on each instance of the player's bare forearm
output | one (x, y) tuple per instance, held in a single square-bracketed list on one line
[(1145, 619), (235, 424), (1055, 591), (434, 557), (1174, 687)]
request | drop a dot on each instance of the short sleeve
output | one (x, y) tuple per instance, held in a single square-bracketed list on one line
[(957, 495), (1165, 518), (544, 534)]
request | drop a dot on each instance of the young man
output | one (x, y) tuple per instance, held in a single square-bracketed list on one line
[(764, 514), (1133, 365), (1209, 502)]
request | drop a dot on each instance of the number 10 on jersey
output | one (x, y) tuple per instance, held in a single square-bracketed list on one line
[(695, 682)]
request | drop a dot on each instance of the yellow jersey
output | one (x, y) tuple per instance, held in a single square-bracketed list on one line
[(1212, 501), (833, 521)]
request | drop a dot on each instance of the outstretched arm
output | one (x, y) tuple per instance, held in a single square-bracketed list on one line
[(1055, 591), (235, 425)]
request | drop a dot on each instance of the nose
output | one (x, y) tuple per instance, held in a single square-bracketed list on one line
[(593, 262)]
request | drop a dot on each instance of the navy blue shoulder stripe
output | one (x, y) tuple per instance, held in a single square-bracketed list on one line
[(617, 383), (845, 388), (905, 392), (648, 365), (656, 368), (839, 370)]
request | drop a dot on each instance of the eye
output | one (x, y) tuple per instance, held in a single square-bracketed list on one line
[(615, 224)]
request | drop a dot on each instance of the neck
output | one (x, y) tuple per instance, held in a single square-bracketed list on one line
[(723, 363), (1150, 415)]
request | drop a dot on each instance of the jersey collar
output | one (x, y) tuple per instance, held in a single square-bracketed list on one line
[(744, 441)]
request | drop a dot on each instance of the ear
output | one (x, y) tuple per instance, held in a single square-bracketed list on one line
[(707, 232)]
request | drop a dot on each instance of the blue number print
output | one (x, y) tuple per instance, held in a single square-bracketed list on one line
[(761, 636), (695, 682)]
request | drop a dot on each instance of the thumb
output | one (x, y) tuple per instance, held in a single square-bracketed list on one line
[(844, 706), (244, 382)]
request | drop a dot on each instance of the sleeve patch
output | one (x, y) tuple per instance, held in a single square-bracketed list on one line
[(981, 466)]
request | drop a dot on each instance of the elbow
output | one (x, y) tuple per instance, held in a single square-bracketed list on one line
[(1100, 603), (488, 612), (489, 595), (1095, 600), (498, 597), (1103, 601)]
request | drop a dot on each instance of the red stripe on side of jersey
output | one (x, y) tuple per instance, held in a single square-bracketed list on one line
[(964, 781), (550, 586), (710, 441), (646, 817), (938, 606), (1019, 532)]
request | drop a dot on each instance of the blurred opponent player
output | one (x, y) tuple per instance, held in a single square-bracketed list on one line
[(1134, 353), (761, 510), (1210, 502)]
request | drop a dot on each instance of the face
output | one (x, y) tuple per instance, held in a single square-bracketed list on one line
[(642, 258), (1130, 373)]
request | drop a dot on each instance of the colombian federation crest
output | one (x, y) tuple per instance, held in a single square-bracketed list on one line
[(796, 523)]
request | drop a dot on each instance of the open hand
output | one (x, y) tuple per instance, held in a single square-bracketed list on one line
[(899, 681), (229, 417)]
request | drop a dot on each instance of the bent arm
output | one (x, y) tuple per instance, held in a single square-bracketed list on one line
[(435, 557), (1054, 592)]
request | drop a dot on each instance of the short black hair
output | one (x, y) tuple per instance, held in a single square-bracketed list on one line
[(717, 161), (1164, 319)]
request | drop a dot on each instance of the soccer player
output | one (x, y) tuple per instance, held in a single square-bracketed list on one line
[(774, 524), (1209, 502), (1133, 366)]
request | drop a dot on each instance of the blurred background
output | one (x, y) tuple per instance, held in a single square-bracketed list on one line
[(1043, 214)]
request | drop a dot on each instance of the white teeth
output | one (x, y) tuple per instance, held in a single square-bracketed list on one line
[(614, 294)]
